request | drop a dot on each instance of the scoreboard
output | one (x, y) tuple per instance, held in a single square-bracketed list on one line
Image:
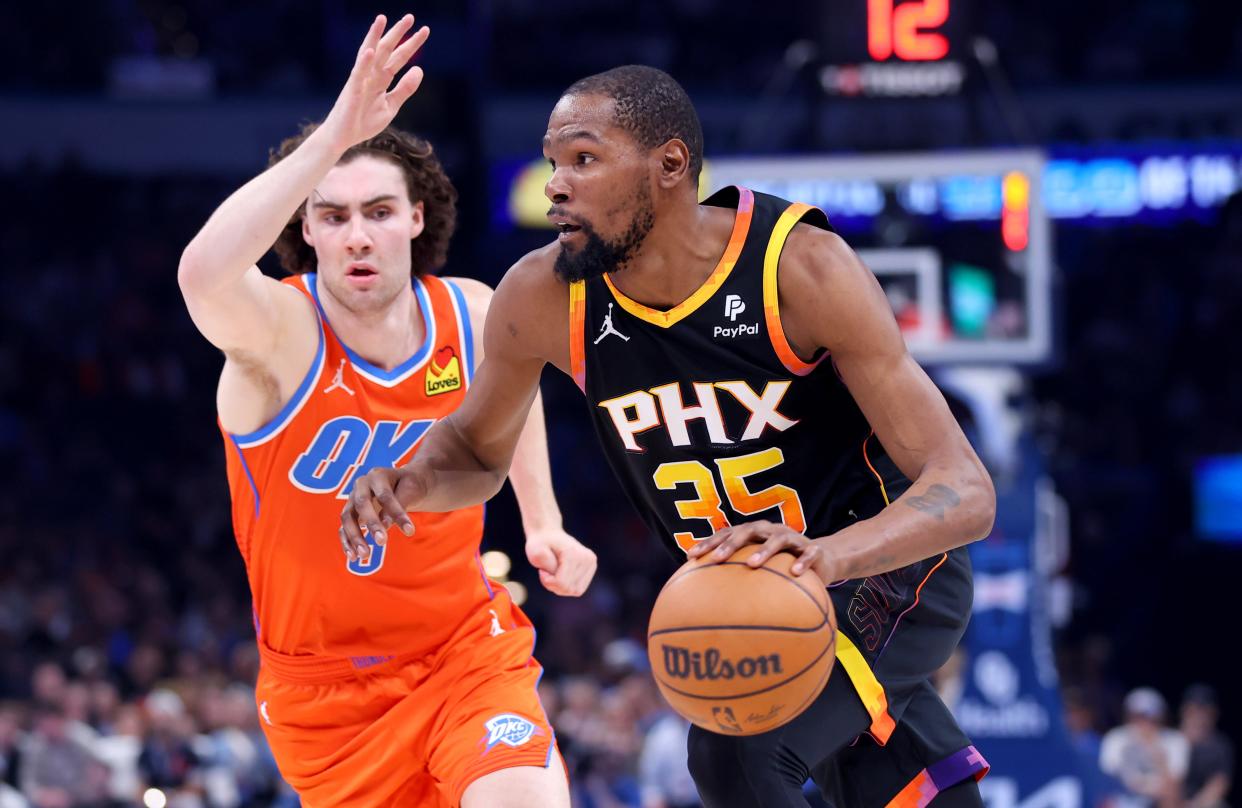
[(894, 48)]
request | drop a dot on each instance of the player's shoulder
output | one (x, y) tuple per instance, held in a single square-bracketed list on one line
[(533, 303), (471, 288), (817, 259), (477, 294), (535, 269), (828, 297), (531, 282), (810, 242), (478, 299)]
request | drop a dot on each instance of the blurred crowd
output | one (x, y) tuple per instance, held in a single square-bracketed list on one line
[(277, 47), (1153, 759)]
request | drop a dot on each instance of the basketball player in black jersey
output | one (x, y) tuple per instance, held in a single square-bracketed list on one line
[(749, 385)]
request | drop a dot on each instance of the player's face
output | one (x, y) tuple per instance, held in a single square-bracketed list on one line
[(600, 187), (360, 220)]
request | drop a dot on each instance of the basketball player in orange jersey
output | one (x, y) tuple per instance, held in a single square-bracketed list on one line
[(399, 675), (750, 386)]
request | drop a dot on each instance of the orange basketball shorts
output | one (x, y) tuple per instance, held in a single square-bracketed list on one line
[(408, 732)]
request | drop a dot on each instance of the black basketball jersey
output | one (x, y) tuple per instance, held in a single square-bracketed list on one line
[(705, 413)]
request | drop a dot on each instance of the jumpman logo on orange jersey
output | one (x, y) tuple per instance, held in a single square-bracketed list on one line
[(338, 381), (608, 328)]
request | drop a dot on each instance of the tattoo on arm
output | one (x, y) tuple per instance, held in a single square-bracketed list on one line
[(937, 499)]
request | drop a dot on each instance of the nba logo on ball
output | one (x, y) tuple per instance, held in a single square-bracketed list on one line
[(508, 729), (740, 651)]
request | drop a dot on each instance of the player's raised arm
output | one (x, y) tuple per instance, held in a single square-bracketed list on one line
[(829, 300), (463, 460), (233, 304)]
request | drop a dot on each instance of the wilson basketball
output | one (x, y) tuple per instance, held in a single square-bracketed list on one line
[(741, 651)]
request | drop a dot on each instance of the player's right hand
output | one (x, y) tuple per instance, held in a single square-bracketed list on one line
[(381, 498), (366, 105)]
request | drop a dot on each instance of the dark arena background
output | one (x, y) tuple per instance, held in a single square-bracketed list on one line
[(1050, 194)]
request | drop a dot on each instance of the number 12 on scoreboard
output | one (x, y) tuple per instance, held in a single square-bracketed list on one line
[(893, 30)]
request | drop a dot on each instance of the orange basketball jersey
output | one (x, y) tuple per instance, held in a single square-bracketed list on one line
[(289, 481)]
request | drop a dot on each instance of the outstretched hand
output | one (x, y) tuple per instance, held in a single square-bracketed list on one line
[(366, 104), (381, 498)]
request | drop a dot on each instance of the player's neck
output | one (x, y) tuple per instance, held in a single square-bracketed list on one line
[(384, 337), (684, 246)]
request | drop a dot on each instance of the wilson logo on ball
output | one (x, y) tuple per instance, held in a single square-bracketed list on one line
[(682, 663)]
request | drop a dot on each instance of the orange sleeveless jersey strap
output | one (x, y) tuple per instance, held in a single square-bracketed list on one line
[(300, 282), (452, 317), (771, 297), (577, 333)]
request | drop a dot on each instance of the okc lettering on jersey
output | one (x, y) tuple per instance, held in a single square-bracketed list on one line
[(637, 412), (347, 447)]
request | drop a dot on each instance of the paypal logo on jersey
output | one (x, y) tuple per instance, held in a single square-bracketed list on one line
[(508, 729), (734, 305), (347, 447)]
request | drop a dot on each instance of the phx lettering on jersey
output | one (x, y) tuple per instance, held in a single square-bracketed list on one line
[(642, 410)]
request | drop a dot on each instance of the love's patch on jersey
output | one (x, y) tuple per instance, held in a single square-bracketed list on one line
[(443, 372)]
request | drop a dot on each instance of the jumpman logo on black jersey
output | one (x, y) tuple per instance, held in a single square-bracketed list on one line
[(608, 328)]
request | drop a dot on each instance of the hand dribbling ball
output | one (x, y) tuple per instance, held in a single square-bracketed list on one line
[(740, 651)]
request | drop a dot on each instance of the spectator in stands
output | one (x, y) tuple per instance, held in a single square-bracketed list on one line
[(119, 749), (57, 771), (663, 773), (235, 752), (105, 702), (1081, 722), (1146, 757), (168, 761), (10, 744), (48, 683), (1209, 774)]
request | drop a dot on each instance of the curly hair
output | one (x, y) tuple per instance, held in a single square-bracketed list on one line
[(424, 178)]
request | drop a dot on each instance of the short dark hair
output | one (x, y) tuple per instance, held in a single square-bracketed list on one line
[(424, 179), (1201, 694), (650, 105)]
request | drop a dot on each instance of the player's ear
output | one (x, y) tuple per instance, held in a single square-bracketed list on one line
[(417, 221), (674, 162), (306, 231)]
